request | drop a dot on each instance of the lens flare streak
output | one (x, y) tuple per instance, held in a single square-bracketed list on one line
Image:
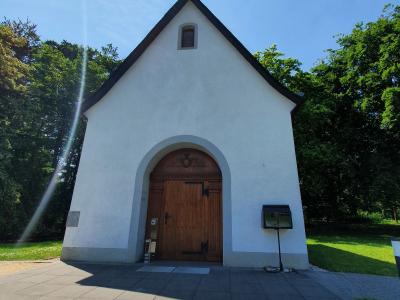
[(67, 147)]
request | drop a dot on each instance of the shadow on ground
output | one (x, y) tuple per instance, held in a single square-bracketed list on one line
[(83, 281), (125, 282)]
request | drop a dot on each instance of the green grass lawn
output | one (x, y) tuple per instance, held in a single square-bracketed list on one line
[(350, 252), (30, 251), (356, 253)]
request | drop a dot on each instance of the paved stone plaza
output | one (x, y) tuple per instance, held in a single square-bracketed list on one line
[(81, 281)]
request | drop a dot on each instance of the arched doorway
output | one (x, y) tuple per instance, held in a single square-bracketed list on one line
[(185, 195)]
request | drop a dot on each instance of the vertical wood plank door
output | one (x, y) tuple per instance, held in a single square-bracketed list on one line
[(185, 195)]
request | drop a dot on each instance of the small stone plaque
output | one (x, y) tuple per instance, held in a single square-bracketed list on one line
[(73, 218)]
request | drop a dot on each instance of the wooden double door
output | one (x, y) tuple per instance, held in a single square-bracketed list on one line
[(185, 198)]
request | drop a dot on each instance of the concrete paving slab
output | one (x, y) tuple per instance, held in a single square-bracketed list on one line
[(281, 290), (67, 279), (13, 287), (122, 282), (176, 294), (132, 295), (37, 278), (219, 271), (315, 292), (102, 293), (38, 290), (13, 278), (60, 270), (201, 295), (156, 269), (286, 297), (17, 297), (214, 284), (149, 285), (12, 267), (83, 281), (249, 297), (246, 287), (156, 275), (72, 291), (348, 286), (55, 298), (237, 278), (183, 284), (189, 270)]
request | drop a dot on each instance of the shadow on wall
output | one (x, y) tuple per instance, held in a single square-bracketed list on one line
[(337, 260)]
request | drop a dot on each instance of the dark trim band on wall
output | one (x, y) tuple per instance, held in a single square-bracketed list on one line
[(151, 36)]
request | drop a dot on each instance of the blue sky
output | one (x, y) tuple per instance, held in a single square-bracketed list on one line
[(302, 29)]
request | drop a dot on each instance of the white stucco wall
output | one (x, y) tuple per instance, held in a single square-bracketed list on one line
[(211, 92)]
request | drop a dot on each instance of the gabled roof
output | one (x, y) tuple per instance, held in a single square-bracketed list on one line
[(172, 12)]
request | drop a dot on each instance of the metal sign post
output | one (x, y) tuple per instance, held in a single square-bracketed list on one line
[(277, 217), (279, 248)]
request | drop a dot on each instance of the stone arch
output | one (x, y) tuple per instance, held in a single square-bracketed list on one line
[(140, 197)]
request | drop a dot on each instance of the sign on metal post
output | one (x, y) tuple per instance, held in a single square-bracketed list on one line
[(277, 217)]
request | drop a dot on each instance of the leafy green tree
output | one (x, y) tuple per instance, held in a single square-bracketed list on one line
[(347, 131), (13, 74), (42, 86)]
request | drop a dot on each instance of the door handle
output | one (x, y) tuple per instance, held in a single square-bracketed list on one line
[(166, 217)]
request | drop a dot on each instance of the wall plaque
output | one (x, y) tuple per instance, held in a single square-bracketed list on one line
[(73, 218)]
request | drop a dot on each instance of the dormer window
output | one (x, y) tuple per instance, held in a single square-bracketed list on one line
[(188, 36)]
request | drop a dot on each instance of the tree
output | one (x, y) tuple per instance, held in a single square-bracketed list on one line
[(347, 131), (40, 82), (13, 73)]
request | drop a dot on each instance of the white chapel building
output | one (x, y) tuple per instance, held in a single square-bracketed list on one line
[(185, 143)]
